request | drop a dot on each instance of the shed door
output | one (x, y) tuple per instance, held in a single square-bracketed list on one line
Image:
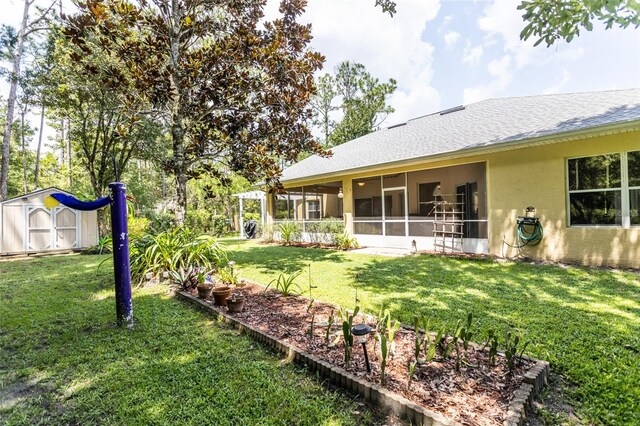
[(65, 227), (39, 235)]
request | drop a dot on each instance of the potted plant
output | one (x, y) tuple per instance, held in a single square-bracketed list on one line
[(204, 288), (235, 303), (220, 294)]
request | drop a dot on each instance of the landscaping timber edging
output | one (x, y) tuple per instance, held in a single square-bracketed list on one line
[(519, 407)]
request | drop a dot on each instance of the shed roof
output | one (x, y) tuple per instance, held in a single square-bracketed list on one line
[(35, 192), (484, 124)]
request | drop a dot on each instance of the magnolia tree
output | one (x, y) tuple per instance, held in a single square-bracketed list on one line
[(230, 88)]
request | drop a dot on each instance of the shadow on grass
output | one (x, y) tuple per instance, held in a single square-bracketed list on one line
[(585, 322), (275, 259)]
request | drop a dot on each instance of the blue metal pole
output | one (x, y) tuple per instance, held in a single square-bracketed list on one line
[(121, 266)]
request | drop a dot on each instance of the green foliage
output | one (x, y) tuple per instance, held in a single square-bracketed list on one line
[(160, 222), (346, 241), (363, 103), (185, 278), (386, 337), (252, 216), (198, 48), (330, 322), (137, 226), (511, 343), (323, 231), (285, 284), (421, 338), (172, 250), (492, 342), (228, 274), (105, 245), (199, 220), (412, 372), (290, 232), (551, 21), (347, 323)]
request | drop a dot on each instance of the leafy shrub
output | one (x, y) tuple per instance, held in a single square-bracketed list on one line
[(173, 250), (104, 246), (290, 232), (266, 233), (219, 225), (346, 241), (324, 231), (199, 220), (247, 216), (347, 323), (511, 350), (137, 226), (160, 222), (285, 284)]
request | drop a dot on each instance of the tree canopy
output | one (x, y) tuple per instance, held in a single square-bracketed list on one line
[(551, 21), (231, 88), (358, 97)]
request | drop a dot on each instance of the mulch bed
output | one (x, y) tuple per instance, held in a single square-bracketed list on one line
[(478, 394)]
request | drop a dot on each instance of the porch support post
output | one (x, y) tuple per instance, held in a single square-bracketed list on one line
[(347, 205), (241, 218)]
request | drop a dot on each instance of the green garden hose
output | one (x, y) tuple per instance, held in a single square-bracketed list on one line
[(529, 237)]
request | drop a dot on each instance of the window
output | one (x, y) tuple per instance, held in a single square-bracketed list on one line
[(604, 189), (313, 209), (428, 194)]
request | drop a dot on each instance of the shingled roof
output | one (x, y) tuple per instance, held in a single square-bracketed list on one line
[(485, 124)]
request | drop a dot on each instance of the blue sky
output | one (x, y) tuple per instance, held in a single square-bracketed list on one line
[(447, 53)]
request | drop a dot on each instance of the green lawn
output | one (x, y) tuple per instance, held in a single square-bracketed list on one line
[(175, 367), (585, 322)]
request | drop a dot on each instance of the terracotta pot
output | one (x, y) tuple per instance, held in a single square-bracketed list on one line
[(204, 290), (220, 295), (235, 305)]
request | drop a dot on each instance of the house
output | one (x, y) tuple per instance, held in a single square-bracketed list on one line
[(27, 226), (459, 180)]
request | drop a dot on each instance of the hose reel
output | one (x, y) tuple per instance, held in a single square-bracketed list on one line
[(529, 228)]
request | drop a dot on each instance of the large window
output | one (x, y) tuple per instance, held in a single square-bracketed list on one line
[(604, 189)]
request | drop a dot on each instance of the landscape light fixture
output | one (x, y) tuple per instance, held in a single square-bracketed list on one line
[(362, 331)]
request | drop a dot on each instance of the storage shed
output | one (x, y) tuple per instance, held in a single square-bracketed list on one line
[(27, 226)]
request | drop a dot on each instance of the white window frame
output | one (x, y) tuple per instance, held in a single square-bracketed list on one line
[(624, 188), (309, 210)]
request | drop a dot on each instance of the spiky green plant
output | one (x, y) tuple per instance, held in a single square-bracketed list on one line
[(347, 323)]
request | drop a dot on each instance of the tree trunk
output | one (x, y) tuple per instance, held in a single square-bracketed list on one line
[(11, 103), (68, 142), (177, 120), (37, 170), (24, 150), (103, 226)]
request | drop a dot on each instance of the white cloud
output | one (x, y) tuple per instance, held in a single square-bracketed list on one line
[(451, 38), (556, 88), (501, 71), (388, 47), (472, 54)]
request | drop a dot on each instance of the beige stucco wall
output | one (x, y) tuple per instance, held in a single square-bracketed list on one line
[(537, 177), (532, 176), (12, 235)]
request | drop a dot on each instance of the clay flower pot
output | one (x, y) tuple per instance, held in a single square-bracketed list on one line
[(235, 303), (204, 290), (220, 295)]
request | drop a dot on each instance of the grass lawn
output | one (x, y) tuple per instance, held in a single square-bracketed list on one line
[(175, 367), (585, 322)]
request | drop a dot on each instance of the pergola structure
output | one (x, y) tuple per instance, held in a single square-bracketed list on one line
[(252, 195)]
